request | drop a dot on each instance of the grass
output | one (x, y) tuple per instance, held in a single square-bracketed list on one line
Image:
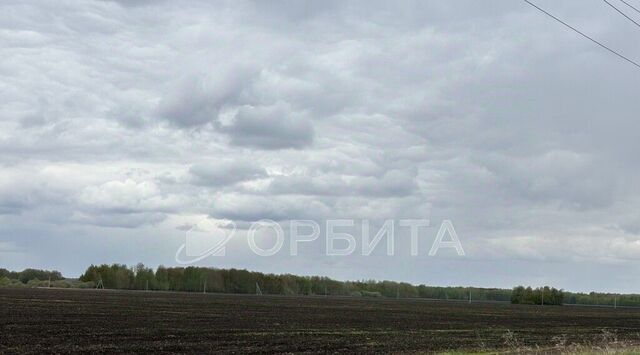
[(606, 343)]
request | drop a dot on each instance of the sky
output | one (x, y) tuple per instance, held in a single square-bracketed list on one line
[(125, 124)]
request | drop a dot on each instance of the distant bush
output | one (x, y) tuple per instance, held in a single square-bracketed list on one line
[(33, 274), (88, 284), (36, 283), (371, 294), (62, 284), (6, 282)]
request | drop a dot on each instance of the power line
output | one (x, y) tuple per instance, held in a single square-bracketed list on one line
[(631, 6), (583, 35), (622, 13)]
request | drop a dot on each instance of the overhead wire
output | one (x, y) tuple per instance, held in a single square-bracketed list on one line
[(622, 13), (584, 35), (631, 6)]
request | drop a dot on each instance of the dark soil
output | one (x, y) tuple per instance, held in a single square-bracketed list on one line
[(105, 321)]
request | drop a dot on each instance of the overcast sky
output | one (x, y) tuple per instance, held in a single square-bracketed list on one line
[(123, 123)]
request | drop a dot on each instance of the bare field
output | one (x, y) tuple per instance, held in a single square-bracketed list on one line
[(106, 321)]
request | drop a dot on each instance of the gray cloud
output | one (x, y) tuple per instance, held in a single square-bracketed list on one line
[(391, 183), (272, 127), (136, 2), (221, 173), (197, 99), (249, 208)]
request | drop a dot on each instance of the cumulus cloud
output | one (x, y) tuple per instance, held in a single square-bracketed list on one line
[(123, 196)]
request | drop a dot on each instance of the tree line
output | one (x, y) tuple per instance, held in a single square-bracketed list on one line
[(603, 299), (541, 295), (30, 274), (201, 279)]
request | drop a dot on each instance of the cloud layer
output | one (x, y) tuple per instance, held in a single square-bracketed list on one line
[(123, 121)]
